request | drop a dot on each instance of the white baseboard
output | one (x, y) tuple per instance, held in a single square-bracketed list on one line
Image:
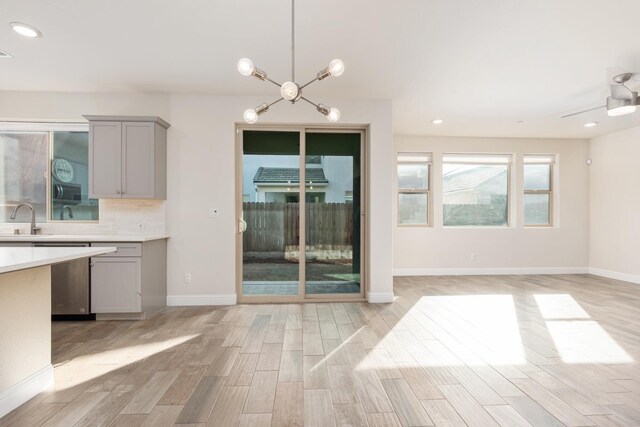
[(632, 278), (19, 393), (187, 300), (380, 297), (487, 271)]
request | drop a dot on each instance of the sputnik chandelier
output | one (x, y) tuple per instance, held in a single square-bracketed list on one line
[(290, 90)]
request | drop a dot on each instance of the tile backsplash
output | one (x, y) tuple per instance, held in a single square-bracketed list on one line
[(117, 216)]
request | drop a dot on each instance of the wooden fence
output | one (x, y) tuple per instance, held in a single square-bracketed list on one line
[(273, 228)]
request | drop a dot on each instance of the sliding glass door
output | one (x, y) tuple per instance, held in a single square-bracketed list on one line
[(270, 213), (300, 186), (332, 213)]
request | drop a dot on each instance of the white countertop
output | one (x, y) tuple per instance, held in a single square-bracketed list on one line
[(13, 259), (81, 237)]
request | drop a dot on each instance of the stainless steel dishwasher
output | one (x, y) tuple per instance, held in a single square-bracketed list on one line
[(70, 286)]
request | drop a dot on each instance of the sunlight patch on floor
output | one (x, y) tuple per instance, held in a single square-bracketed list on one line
[(585, 341), (576, 337), (85, 368), (560, 306), (485, 328), (486, 324)]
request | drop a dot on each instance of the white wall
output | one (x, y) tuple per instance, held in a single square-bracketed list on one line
[(201, 174), (615, 205), (513, 249), (201, 151)]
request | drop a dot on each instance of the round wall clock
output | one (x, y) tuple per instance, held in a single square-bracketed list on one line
[(62, 170)]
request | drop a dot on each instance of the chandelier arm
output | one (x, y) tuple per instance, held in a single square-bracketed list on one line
[(274, 82), (310, 102), (275, 102), (308, 83)]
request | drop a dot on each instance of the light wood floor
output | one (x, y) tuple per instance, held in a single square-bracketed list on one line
[(482, 351)]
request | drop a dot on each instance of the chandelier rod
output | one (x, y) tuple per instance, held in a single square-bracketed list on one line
[(293, 42)]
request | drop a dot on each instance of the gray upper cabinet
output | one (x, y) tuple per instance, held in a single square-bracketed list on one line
[(127, 157)]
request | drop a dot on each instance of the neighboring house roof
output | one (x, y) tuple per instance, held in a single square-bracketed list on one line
[(288, 175), (464, 178)]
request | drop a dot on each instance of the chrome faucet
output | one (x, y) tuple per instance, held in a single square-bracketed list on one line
[(62, 212), (34, 229)]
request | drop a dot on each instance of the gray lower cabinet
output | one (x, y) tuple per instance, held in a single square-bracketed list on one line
[(127, 157), (130, 283), (116, 285)]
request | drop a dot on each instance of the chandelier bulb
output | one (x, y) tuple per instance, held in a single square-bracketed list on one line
[(336, 67), (246, 67), (334, 114), (290, 91), (250, 115)]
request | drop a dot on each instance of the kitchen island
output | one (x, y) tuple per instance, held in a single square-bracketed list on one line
[(25, 319)]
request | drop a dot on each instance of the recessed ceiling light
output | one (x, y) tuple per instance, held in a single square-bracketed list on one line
[(26, 30), (437, 121), (590, 124)]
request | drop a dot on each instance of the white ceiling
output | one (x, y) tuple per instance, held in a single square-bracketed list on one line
[(480, 65)]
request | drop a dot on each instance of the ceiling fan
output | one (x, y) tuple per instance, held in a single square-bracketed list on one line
[(622, 100)]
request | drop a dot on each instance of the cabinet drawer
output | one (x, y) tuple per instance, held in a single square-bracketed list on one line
[(125, 249)]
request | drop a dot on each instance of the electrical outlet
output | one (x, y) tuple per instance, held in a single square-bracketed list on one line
[(112, 227), (187, 277), (141, 228), (473, 257), (214, 212)]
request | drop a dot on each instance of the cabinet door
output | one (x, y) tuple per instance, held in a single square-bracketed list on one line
[(138, 160), (105, 160), (116, 285)]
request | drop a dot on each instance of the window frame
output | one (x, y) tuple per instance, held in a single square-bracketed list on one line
[(508, 164), (550, 191), (427, 191), (50, 128)]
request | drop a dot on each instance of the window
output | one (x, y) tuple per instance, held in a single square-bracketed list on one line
[(23, 168), (413, 188), (476, 189), (538, 184), (46, 166)]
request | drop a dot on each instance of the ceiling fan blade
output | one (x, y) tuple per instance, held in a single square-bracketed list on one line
[(620, 92), (582, 112)]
